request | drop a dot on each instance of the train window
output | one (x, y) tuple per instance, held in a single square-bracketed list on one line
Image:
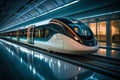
[(46, 33), (39, 33), (42, 33), (23, 33), (76, 30), (36, 32)]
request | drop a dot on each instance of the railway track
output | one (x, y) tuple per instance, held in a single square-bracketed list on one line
[(104, 65)]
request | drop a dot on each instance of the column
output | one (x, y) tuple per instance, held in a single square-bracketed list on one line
[(108, 33), (96, 31)]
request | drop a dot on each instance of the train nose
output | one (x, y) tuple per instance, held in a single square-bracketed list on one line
[(71, 46)]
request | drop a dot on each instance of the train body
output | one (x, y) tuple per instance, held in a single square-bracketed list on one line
[(61, 35)]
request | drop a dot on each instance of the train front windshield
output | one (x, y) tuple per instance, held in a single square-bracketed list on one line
[(81, 29)]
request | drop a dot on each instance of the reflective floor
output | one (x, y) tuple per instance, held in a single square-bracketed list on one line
[(20, 63), (113, 45), (109, 52)]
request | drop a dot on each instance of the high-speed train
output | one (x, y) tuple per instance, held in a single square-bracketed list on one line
[(62, 35)]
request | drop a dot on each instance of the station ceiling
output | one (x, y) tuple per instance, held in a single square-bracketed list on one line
[(23, 12)]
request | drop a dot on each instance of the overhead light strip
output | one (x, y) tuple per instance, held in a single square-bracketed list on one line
[(99, 15)]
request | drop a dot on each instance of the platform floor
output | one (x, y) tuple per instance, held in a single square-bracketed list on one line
[(20, 63), (7, 72)]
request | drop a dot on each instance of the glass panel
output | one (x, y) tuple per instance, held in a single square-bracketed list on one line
[(37, 33), (76, 30), (102, 31), (46, 32), (93, 28), (115, 24), (99, 30)]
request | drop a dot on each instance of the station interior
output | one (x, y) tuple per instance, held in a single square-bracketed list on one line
[(23, 61)]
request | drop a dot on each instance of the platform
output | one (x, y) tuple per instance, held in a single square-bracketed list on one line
[(20, 63)]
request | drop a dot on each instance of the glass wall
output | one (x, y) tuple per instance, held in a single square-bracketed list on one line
[(115, 26), (99, 30)]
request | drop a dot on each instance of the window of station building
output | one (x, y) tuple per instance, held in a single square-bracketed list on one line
[(99, 30), (102, 31), (115, 35), (93, 28)]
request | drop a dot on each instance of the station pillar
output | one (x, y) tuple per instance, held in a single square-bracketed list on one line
[(96, 30), (108, 33)]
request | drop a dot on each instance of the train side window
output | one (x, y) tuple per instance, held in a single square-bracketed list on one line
[(38, 33), (46, 33), (76, 30), (42, 33), (24, 33)]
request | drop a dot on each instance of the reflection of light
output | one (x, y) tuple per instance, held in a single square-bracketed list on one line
[(59, 64), (41, 23), (12, 53), (41, 56), (36, 55), (24, 49), (50, 63), (32, 52), (46, 59), (6, 42), (14, 45), (79, 68), (30, 67), (9, 49), (21, 60), (102, 52), (34, 71), (91, 77)]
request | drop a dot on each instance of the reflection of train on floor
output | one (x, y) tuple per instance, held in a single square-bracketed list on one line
[(59, 35), (42, 66)]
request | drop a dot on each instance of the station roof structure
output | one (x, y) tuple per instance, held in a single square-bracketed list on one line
[(16, 13)]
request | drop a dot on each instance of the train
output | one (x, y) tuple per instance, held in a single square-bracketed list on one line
[(60, 35)]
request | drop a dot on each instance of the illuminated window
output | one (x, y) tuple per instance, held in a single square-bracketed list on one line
[(46, 33), (115, 27)]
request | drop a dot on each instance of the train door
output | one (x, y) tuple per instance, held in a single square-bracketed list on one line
[(30, 35)]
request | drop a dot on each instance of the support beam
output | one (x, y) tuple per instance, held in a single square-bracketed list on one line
[(108, 33)]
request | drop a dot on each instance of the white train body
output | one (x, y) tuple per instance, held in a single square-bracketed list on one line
[(60, 35)]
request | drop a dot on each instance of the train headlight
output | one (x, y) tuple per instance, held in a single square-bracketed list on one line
[(76, 38)]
